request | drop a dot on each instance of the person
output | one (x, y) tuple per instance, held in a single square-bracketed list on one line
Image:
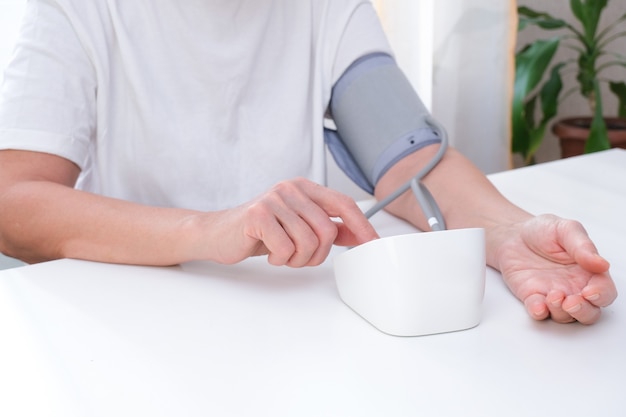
[(161, 132)]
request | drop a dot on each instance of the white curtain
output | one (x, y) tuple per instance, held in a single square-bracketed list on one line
[(459, 56)]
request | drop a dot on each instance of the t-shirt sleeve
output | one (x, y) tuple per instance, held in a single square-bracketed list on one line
[(363, 35), (48, 98)]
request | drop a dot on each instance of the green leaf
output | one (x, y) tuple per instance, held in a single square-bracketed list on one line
[(551, 91), (535, 101), (588, 13), (549, 96), (528, 16), (535, 138), (619, 89), (523, 123), (529, 111), (531, 64), (598, 136)]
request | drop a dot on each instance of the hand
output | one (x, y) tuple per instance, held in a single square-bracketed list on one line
[(292, 224), (553, 267)]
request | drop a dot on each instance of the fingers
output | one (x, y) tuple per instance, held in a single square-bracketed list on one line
[(295, 236), (293, 220), (356, 229), (536, 306), (574, 307), (575, 283), (600, 290), (566, 309), (562, 308)]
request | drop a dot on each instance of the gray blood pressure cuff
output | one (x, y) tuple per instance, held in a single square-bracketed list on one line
[(379, 120)]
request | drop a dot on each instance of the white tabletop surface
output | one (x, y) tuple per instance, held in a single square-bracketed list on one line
[(89, 339)]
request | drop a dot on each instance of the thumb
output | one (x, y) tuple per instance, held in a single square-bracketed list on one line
[(591, 260)]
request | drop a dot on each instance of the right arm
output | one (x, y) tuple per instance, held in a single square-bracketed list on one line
[(43, 217)]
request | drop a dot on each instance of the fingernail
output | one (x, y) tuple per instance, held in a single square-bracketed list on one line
[(592, 297), (574, 308)]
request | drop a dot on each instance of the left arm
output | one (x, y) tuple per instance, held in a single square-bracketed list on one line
[(549, 263)]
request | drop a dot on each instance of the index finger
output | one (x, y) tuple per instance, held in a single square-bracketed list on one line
[(339, 205)]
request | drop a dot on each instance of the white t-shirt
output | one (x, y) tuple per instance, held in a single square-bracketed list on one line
[(200, 104)]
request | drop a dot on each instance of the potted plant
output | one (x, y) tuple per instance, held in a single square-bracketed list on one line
[(538, 89)]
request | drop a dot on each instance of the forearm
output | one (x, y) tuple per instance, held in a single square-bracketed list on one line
[(41, 220), (464, 194)]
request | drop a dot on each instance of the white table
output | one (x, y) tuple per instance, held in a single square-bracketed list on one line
[(88, 339)]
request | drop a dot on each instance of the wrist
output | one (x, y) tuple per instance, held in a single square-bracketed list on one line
[(195, 237), (499, 237)]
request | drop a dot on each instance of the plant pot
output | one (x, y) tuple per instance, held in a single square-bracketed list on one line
[(573, 133)]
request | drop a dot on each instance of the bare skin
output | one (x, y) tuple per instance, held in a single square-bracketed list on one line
[(44, 218), (549, 263)]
